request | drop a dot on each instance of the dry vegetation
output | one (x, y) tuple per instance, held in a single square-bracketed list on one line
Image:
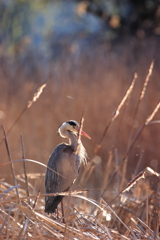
[(122, 117)]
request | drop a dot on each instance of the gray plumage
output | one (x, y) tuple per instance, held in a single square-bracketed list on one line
[(65, 163)]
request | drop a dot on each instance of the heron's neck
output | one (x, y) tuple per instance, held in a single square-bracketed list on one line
[(79, 149), (73, 139)]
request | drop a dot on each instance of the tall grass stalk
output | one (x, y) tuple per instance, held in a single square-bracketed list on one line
[(142, 94), (11, 163), (29, 104), (114, 116)]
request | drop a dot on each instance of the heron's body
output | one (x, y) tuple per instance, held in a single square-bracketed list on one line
[(65, 162)]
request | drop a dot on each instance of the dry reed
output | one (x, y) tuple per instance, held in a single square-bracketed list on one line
[(130, 214), (29, 104), (79, 223)]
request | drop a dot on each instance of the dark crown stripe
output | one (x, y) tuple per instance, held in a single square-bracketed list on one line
[(73, 123)]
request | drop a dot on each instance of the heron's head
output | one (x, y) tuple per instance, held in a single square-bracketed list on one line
[(70, 127)]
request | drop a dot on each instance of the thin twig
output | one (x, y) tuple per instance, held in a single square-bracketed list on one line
[(149, 119), (36, 199), (10, 159), (24, 166), (27, 187), (79, 134), (147, 211)]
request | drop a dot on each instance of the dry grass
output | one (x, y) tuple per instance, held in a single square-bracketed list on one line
[(122, 201), (133, 216)]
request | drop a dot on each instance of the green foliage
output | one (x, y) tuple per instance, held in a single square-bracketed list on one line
[(16, 21)]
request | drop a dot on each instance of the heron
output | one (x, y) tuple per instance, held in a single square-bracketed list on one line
[(64, 164)]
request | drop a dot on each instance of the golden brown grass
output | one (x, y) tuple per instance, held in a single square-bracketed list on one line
[(130, 144), (133, 216)]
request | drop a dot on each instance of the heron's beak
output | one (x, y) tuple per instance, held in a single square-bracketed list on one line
[(84, 134)]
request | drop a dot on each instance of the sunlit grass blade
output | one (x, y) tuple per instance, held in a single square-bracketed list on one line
[(29, 104), (116, 113)]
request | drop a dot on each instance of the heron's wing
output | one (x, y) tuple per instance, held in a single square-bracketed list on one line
[(65, 169), (64, 164)]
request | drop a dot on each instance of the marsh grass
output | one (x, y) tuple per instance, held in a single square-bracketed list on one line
[(134, 216), (117, 195)]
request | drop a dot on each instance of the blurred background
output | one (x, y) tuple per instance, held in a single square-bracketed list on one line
[(87, 52)]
